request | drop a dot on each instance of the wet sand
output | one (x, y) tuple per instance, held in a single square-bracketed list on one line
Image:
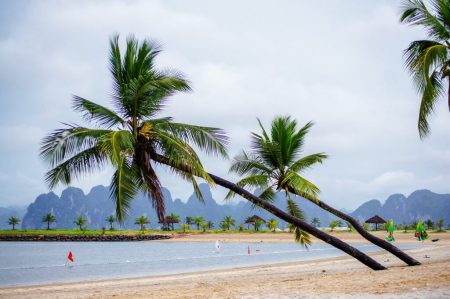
[(341, 277)]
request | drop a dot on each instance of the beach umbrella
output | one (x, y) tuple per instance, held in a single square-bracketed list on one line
[(376, 220), (253, 219)]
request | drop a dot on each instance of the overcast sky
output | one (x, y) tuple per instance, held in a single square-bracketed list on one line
[(337, 63)]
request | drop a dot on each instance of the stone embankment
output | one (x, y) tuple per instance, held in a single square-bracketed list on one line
[(84, 238)]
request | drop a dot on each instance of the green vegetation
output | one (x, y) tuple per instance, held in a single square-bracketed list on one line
[(130, 136), (335, 223), (440, 225), (49, 218), (227, 223), (315, 222), (429, 224), (198, 220), (428, 61), (13, 221), (111, 219), (80, 221), (272, 224), (142, 221)]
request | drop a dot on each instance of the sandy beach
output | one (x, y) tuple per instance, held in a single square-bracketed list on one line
[(341, 277)]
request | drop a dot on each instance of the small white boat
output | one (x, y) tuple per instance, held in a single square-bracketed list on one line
[(217, 246)]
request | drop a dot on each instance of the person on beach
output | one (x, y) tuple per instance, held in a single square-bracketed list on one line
[(390, 229), (420, 234)]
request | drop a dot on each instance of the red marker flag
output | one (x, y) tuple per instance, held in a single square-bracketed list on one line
[(70, 256)]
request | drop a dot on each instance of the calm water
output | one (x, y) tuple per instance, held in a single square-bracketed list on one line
[(26, 263)]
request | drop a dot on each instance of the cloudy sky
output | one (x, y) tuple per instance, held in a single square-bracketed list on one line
[(337, 63)]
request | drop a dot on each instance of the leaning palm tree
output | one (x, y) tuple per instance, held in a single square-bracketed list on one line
[(428, 60), (13, 221), (275, 165), (142, 221), (111, 219), (49, 218), (80, 221), (129, 135)]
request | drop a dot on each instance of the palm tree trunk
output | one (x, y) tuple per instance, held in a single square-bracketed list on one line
[(48, 225), (360, 229), (363, 258)]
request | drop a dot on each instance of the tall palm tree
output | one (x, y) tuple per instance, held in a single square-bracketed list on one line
[(274, 165), (111, 219), (49, 218), (80, 221), (130, 134), (142, 221), (428, 60), (13, 221), (198, 220)]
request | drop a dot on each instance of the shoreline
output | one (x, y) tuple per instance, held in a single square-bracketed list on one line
[(329, 277)]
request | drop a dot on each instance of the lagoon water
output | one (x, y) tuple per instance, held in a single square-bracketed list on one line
[(28, 263)]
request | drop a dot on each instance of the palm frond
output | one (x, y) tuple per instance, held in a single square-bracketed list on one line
[(252, 182), (116, 144), (299, 184), (61, 144), (87, 161), (293, 209), (307, 162), (95, 112), (211, 140), (123, 188), (248, 163), (432, 90), (415, 12)]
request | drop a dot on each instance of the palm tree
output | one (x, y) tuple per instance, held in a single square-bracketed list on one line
[(210, 224), (49, 218), (198, 220), (184, 227), (315, 221), (439, 223), (274, 165), (429, 224), (175, 219), (257, 201), (204, 225), (189, 221), (131, 134), (228, 222), (142, 221), (13, 221), (335, 223), (111, 219), (428, 60), (80, 221), (272, 224)]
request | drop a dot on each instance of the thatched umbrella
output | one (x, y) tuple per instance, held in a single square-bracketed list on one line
[(169, 221), (377, 220), (253, 219)]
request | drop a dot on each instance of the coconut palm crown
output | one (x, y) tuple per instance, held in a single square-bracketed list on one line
[(274, 164), (127, 135), (428, 60)]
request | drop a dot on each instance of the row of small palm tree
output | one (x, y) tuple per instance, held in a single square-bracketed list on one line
[(133, 139)]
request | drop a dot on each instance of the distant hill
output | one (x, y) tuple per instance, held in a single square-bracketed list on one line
[(420, 205), (96, 206)]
